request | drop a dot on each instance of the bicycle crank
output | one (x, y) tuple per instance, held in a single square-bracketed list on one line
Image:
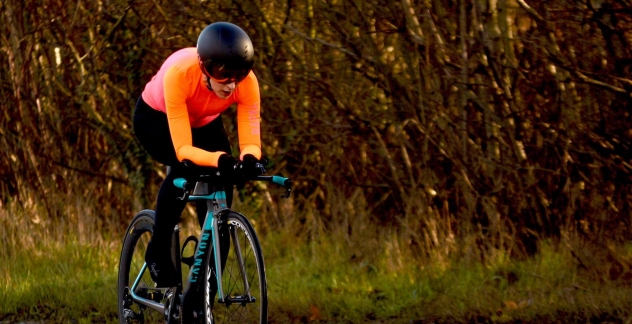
[(172, 311)]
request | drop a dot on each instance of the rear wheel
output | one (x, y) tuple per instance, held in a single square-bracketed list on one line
[(243, 276), (131, 262)]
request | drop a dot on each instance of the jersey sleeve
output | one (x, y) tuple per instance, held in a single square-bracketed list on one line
[(178, 118), (249, 117)]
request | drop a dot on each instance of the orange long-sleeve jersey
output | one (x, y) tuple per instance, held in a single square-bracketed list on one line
[(179, 90)]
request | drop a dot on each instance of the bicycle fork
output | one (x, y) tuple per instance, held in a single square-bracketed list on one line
[(242, 268), (216, 203)]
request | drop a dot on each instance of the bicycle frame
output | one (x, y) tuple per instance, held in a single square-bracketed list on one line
[(216, 204)]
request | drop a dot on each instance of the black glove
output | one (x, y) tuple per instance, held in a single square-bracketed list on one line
[(226, 166), (251, 166)]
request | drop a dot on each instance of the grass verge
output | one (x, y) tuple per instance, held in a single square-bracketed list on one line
[(322, 282), (59, 283)]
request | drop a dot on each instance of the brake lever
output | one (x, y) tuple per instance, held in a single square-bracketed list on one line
[(185, 189), (260, 168), (185, 195), (288, 188)]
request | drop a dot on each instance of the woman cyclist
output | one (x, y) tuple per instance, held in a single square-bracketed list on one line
[(177, 118)]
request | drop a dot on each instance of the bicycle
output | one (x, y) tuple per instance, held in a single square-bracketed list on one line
[(226, 282)]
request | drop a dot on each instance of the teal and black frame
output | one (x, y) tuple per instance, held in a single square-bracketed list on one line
[(226, 282)]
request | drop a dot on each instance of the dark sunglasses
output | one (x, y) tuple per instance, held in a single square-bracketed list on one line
[(222, 74)]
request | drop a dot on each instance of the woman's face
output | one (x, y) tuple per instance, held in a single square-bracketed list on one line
[(222, 89)]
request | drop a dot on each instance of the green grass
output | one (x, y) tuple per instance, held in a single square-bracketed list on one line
[(59, 282), (323, 282)]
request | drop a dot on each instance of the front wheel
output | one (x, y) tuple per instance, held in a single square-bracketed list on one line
[(243, 277)]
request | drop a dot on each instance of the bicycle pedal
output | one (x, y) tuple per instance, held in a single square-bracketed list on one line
[(129, 314)]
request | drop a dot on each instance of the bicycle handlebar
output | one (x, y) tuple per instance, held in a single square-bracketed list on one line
[(279, 180), (182, 183)]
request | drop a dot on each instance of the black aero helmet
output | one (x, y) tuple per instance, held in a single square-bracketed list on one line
[(225, 52)]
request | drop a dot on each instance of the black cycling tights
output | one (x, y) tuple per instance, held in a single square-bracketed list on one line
[(152, 130)]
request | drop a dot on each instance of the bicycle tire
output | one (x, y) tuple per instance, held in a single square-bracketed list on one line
[(232, 283), (132, 259)]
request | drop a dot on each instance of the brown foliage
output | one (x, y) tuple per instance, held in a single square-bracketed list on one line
[(499, 121)]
